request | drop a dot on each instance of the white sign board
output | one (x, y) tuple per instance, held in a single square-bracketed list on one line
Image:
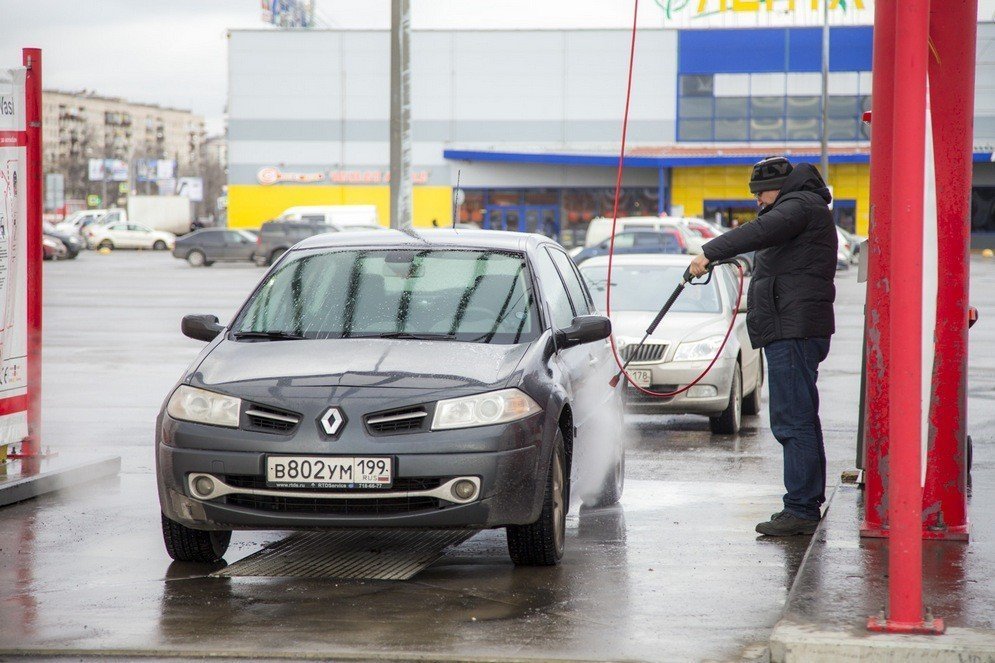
[(763, 13), (191, 187), (13, 258)]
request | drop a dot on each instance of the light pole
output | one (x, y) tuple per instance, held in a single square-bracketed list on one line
[(824, 154), (400, 115)]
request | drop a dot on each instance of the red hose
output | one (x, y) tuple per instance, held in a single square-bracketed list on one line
[(611, 244)]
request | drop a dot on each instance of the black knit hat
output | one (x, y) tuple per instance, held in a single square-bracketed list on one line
[(769, 174)]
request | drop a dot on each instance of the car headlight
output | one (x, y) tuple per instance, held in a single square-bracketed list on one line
[(704, 349), (494, 407), (204, 407)]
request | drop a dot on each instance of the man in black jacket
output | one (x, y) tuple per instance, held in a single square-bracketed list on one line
[(790, 316)]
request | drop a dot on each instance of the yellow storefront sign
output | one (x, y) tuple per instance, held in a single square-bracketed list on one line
[(249, 205)]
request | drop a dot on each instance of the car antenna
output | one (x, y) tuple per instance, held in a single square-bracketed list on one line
[(456, 203)]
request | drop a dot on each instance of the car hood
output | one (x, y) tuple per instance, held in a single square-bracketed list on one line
[(675, 327), (382, 363)]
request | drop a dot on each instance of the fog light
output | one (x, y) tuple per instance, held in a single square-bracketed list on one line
[(703, 391), (203, 486), (464, 489)]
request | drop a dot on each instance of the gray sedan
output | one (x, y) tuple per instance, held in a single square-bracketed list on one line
[(443, 379)]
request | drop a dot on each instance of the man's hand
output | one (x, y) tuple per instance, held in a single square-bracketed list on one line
[(699, 266)]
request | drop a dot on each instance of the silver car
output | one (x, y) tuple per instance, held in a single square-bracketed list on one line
[(686, 340)]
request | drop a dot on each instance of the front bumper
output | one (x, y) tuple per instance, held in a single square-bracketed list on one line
[(669, 376)]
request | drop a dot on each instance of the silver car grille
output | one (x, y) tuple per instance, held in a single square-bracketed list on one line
[(650, 352)]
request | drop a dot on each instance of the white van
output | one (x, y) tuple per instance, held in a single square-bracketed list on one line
[(600, 229), (339, 216)]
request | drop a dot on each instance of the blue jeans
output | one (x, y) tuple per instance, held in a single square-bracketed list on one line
[(792, 369)]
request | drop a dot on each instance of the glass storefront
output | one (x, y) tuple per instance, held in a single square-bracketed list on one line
[(561, 213)]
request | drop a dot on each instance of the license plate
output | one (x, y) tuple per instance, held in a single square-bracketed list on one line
[(642, 378), (329, 472)]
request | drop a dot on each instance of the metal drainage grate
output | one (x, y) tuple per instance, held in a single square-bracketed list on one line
[(349, 554)]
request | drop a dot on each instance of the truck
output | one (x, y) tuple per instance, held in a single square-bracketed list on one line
[(169, 213)]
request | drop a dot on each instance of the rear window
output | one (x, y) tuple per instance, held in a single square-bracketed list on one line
[(479, 296)]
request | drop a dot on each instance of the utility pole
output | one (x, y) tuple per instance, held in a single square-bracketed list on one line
[(824, 160), (400, 114)]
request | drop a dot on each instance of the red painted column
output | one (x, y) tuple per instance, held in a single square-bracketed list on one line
[(32, 98), (953, 33), (877, 319), (905, 607)]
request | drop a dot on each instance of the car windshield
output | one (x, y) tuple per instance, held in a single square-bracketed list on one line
[(480, 296), (647, 287)]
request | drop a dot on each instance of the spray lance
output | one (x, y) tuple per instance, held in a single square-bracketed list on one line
[(685, 281)]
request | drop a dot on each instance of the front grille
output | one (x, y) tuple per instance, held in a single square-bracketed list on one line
[(644, 353), (361, 507), (264, 419), (397, 421), (400, 484)]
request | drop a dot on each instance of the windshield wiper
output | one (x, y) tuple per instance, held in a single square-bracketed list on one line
[(410, 336), (268, 335)]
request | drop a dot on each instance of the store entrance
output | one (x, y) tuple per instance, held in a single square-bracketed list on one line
[(542, 219)]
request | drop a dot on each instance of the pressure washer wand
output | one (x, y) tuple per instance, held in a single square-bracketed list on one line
[(656, 322)]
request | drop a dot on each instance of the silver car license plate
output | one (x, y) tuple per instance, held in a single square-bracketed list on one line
[(642, 378), (329, 472)]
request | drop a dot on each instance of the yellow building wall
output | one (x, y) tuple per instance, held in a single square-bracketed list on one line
[(692, 186), (250, 205)]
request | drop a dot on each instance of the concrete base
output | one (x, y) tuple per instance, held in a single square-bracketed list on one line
[(843, 580), (24, 478)]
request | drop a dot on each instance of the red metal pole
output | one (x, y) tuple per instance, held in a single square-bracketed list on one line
[(905, 610), (32, 98), (876, 310), (953, 33)]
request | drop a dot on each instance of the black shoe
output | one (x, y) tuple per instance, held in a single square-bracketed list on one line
[(786, 524)]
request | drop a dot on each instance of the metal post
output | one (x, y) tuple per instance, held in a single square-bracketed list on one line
[(877, 317), (905, 608), (953, 33), (32, 101), (400, 115), (824, 154)]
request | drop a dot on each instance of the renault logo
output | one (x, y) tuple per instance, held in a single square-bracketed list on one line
[(332, 422)]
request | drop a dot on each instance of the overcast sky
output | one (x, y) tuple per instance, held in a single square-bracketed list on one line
[(174, 52)]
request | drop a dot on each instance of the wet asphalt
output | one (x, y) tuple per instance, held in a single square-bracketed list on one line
[(674, 573)]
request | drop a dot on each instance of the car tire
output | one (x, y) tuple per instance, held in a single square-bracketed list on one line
[(193, 545), (159, 245), (611, 489), (196, 258), (106, 244), (751, 403), (273, 257), (729, 421), (541, 543)]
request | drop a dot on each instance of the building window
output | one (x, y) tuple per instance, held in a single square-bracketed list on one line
[(770, 107)]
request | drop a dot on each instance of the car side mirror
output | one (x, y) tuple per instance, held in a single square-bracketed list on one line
[(584, 329), (201, 327)]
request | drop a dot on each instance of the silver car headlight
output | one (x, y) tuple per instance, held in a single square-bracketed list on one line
[(204, 407), (494, 407), (704, 349)]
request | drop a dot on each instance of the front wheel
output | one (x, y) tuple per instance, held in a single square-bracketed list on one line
[(752, 404), (729, 421), (159, 245), (542, 542), (193, 545)]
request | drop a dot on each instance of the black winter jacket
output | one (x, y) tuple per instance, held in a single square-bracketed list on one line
[(792, 291)]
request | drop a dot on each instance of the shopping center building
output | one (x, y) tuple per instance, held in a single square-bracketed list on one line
[(530, 121)]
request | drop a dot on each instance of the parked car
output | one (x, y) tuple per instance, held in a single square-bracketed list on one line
[(52, 249), (844, 250), (669, 240), (852, 243), (276, 237), (685, 342), (391, 379), (128, 236), (77, 222), (72, 242), (203, 248), (600, 229)]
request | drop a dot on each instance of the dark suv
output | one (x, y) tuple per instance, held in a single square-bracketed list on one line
[(275, 237)]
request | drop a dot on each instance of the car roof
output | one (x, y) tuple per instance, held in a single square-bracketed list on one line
[(662, 259), (441, 238)]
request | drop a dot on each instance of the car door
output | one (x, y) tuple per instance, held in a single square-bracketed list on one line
[(118, 234), (140, 236), (211, 242), (239, 246)]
